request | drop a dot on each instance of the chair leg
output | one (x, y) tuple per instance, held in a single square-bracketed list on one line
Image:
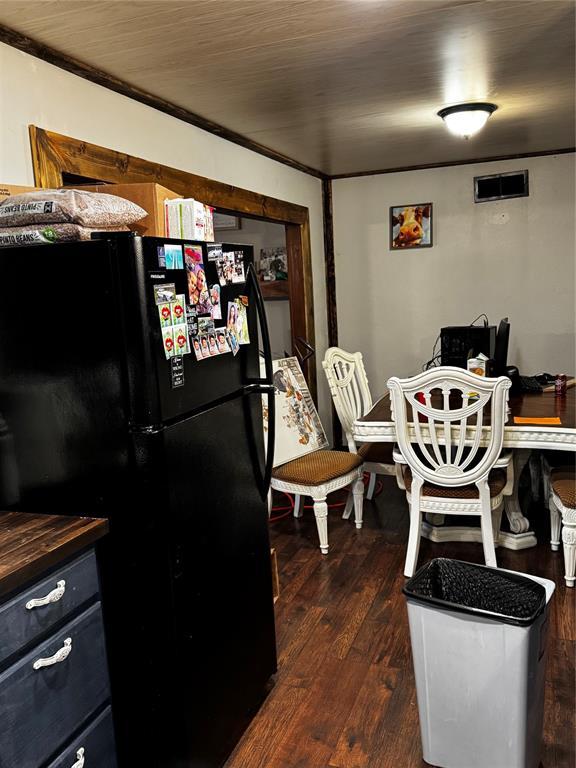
[(486, 524), (371, 486), (349, 505), (555, 524), (298, 505), (358, 494), (569, 542), (497, 522), (321, 514), (415, 528)]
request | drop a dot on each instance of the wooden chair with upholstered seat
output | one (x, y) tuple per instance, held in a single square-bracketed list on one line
[(317, 474), (352, 399), (562, 504), (439, 416)]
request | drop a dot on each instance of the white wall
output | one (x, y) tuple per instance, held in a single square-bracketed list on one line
[(34, 92), (260, 234), (278, 316), (512, 257), (265, 234)]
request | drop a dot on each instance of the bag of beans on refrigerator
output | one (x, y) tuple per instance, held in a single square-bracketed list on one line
[(49, 233), (53, 206)]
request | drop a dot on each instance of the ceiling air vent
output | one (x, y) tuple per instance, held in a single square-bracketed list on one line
[(500, 186)]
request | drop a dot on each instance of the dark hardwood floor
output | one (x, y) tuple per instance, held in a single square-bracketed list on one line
[(344, 695)]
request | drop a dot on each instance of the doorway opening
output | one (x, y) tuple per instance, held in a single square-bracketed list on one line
[(268, 240)]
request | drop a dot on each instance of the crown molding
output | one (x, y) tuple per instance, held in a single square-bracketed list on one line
[(429, 166)]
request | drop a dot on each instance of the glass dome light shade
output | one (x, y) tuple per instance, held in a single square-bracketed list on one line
[(465, 120)]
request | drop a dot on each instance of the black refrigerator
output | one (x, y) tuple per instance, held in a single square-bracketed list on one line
[(97, 422)]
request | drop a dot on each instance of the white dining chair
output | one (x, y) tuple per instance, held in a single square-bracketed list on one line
[(447, 470), (351, 396), (562, 505), (318, 474)]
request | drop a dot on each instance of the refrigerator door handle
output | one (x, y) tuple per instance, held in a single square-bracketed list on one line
[(265, 385), (271, 435), (262, 322)]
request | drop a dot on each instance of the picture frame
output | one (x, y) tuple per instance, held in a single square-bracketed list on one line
[(272, 264), (411, 226), (226, 222), (298, 429)]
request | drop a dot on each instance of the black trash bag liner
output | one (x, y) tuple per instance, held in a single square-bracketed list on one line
[(479, 590)]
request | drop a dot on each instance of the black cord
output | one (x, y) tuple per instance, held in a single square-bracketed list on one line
[(435, 356), (485, 316)]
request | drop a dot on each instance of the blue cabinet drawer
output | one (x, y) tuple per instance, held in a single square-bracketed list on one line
[(43, 703), (33, 612), (95, 746)]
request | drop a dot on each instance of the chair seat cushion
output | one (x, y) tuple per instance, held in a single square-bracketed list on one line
[(563, 481), (496, 483), (317, 468), (380, 453)]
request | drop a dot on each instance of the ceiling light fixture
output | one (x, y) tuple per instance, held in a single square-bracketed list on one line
[(467, 119)]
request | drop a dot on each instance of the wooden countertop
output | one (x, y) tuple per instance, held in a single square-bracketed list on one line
[(31, 544)]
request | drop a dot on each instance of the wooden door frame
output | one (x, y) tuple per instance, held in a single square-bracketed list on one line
[(54, 155)]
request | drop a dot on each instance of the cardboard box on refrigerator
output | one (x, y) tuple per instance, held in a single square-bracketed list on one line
[(7, 190), (149, 196)]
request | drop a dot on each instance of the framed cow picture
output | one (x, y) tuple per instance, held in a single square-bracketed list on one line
[(410, 226)]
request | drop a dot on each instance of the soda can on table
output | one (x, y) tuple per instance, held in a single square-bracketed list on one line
[(560, 384)]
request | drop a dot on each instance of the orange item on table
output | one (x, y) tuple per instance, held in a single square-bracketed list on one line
[(537, 420)]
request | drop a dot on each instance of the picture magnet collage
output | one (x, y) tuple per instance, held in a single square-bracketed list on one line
[(196, 321), (172, 314)]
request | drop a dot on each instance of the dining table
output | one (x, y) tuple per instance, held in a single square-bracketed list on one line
[(536, 421)]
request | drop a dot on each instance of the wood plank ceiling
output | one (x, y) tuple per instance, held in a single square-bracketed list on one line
[(343, 86)]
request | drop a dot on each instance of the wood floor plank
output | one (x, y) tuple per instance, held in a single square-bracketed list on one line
[(362, 600), (560, 705), (295, 574), (322, 642), (317, 729), (267, 730), (295, 632), (366, 722), (329, 579)]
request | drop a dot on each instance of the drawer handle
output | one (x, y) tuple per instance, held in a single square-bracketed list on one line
[(51, 597), (79, 759), (58, 657)]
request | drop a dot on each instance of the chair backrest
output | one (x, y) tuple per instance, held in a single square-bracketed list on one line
[(349, 388), (441, 437)]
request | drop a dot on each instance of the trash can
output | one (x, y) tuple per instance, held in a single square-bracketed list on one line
[(479, 639)]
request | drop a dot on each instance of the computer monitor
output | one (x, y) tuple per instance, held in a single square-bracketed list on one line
[(501, 348)]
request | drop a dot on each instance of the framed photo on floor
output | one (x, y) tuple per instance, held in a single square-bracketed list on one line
[(298, 427), (411, 226)]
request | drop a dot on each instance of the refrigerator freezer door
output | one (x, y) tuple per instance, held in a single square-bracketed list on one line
[(222, 576), (205, 381)]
